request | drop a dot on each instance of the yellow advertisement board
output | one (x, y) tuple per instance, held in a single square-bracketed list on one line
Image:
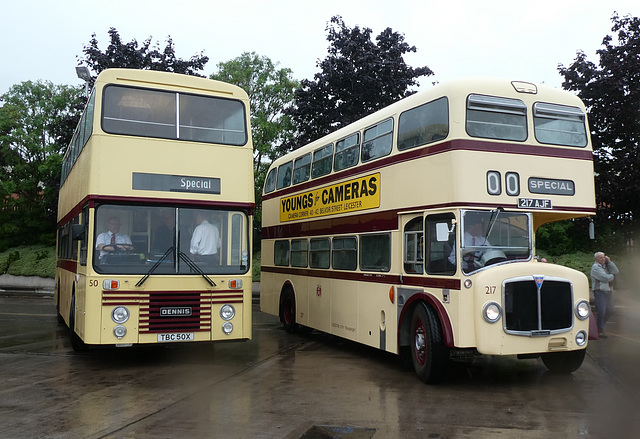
[(349, 196)]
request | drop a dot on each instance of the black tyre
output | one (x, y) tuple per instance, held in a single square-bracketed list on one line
[(429, 354), (288, 310), (564, 362)]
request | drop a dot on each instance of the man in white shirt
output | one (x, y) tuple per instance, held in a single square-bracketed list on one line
[(112, 241), (205, 241), (473, 237)]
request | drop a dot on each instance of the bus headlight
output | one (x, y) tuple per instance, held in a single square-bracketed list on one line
[(120, 314), (227, 312), (119, 331), (583, 309), (227, 327), (491, 312), (581, 338)]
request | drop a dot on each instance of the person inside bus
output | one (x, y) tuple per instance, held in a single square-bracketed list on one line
[(112, 241), (473, 237), (205, 241), (164, 235)]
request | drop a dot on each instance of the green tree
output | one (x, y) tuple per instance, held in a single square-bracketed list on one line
[(145, 57), (611, 93), (270, 92), (357, 77), (35, 128)]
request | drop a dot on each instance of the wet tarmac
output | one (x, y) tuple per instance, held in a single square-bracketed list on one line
[(280, 385)]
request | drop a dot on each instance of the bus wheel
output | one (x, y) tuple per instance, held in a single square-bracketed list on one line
[(563, 362), (428, 353), (76, 342), (288, 310)]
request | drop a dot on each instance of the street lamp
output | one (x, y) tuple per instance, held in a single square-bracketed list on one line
[(84, 74)]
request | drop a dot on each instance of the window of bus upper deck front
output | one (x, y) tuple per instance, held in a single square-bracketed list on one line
[(347, 152), (270, 181), (494, 236), (171, 115), (559, 125), (424, 124), (493, 117)]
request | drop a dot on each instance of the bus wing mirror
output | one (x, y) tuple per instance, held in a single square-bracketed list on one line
[(442, 232), (78, 232)]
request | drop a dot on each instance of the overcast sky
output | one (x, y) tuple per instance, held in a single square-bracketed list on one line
[(41, 39)]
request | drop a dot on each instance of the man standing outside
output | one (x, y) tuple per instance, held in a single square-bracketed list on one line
[(602, 274), (205, 241)]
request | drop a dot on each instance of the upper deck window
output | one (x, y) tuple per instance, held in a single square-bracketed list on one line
[(493, 117), (559, 125), (347, 152), (270, 182), (424, 124), (322, 160), (284, 175), (170, 115), (302, 169), (378, 140)]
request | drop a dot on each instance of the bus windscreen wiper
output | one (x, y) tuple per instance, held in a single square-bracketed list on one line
[(492, 221), (156, 265), (195, 268)]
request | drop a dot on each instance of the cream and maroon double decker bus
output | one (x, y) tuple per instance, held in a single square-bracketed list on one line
[(412, 230), (155, 213)]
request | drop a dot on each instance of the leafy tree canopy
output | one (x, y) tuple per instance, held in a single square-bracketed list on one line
[(145, 57), (358, 77), (611, 92), (270, 91), (36, 123)]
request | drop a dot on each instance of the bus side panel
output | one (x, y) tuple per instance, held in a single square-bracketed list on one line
[(375, 310), (64, 285), (319, 290), (344, 300)]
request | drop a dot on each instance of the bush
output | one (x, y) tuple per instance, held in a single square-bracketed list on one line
[(36, 260)]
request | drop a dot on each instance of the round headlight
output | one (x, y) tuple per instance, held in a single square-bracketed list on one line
[(120, 314), (492, 312), (227, 312), (119, 331), (227, 327), (583, 309), (581, 338)]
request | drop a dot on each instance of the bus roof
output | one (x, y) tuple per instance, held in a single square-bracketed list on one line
[(169, 80), (457, 87)]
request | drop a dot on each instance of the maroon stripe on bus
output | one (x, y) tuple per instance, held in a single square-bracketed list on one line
[(67, 265), (368, 222), (93, 199), (382, 278)]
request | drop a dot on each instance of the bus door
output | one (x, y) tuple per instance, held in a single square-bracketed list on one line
[(429, 244)]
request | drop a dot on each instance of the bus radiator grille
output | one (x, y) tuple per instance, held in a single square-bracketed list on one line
[(530, 312)]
